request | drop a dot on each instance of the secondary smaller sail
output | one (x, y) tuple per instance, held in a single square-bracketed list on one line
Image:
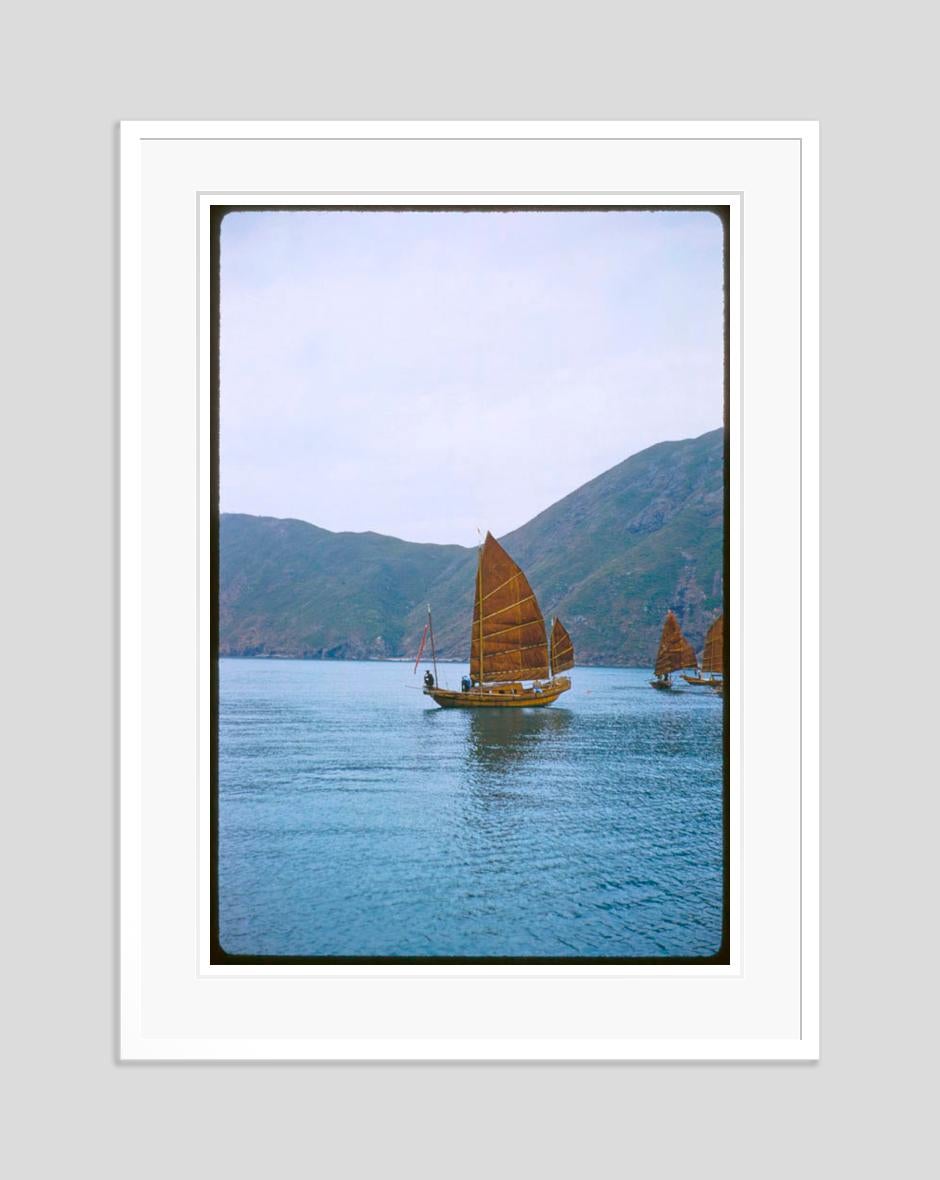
[(675, 651), (421, 647), (713, 657), (562, 648)]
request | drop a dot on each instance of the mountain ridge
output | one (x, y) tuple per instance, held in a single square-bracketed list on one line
[(610, 557)]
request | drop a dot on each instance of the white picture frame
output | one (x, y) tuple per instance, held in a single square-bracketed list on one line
[(175, 1004)]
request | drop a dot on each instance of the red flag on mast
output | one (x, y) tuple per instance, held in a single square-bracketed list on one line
[(420, 649)]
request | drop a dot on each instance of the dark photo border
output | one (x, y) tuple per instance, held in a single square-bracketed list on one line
[(218, 956)]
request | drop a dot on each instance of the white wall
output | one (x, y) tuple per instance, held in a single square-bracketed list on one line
[(71, 71)]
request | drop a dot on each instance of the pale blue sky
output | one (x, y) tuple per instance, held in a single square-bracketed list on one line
[(429, 374)]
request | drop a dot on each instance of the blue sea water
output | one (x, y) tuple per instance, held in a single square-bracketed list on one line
[(358, 819)]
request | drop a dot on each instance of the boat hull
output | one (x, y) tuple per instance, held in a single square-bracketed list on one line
[(506, 696), (717, 685)]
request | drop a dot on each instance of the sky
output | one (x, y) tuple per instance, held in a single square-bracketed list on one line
[(434, 375)]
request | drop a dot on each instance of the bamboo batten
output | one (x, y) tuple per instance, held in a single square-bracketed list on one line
[(713, 657), (562, 648), (675, 651), (507, 639)]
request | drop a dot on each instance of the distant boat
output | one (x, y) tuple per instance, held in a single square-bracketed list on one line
[(512, 662), (713, 658), (675, 653)]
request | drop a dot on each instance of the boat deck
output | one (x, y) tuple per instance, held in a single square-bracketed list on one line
[(501, 696)]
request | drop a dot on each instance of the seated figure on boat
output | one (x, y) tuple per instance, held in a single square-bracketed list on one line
[(429, 679), (465, 684)]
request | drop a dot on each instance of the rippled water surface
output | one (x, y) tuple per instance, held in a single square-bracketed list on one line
[(357, 819)]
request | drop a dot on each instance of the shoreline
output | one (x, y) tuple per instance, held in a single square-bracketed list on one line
[(393, 660)]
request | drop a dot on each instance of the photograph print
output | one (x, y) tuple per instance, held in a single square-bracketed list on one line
[(470, 562)]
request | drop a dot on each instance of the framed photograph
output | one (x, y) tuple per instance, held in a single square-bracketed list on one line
[(469, 591)]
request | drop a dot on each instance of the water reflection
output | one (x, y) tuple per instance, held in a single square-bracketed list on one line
[(501, 739)]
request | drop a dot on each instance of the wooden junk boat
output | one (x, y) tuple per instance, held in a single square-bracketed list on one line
[(713, 658), (675, 653), (512, 663)]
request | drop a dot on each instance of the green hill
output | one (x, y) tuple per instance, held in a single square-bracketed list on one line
[(289, 588), (610, 558)]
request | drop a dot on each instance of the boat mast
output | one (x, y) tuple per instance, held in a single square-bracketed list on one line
[(480, 584), (433, 652)]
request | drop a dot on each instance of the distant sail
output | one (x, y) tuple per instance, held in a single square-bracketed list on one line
[(562, 648), (508, 636), (713, 658), (675, 651)]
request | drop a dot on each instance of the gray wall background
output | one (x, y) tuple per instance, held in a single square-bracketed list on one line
[(70, 72)]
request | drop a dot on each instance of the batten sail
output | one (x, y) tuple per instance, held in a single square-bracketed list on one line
[(507, 640), (713, 657), (562, 648), (675, 651)]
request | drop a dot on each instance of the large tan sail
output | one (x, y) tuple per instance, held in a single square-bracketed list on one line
[(507, 640), (562, 648), (675, 651), (713, 657)]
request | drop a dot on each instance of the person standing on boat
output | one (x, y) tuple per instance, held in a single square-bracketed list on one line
[(429, 679)]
